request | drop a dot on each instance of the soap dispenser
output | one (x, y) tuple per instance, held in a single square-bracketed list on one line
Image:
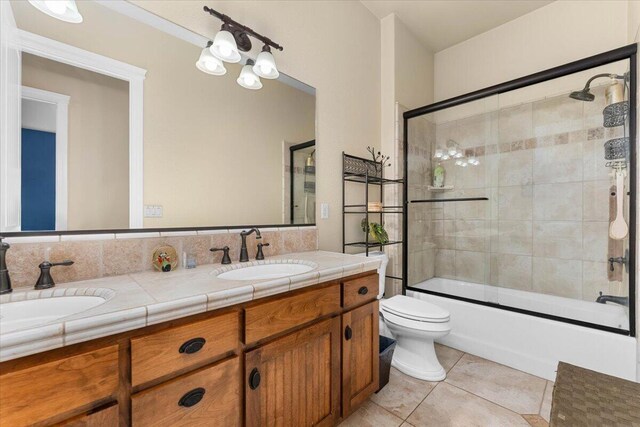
[(5, 280)]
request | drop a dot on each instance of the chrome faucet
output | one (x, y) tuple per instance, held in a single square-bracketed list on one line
[(244, 255), (603, 299)]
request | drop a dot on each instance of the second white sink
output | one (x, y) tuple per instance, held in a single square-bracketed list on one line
[(265, 271)]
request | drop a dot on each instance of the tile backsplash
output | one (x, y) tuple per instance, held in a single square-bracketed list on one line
[(111, 254)]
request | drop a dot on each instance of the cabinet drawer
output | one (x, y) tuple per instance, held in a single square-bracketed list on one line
[(35, 394), (360, 290), (107, 417), (208, 397), (170, 350), (270, 318)]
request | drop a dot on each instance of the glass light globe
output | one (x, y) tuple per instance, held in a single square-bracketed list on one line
[(224, 47), (248, 79), (266, 65)]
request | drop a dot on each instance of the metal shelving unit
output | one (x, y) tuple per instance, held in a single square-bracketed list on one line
[(367, 172)]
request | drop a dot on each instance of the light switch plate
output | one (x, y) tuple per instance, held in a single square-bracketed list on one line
[(153, 211), (324, 210)]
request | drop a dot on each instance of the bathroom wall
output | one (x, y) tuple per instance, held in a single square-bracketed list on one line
[(98, 141), (333, 46), (407, 82), (115, 254), (560, 32)]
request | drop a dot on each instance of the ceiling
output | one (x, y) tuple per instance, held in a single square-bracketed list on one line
[(439, 24)]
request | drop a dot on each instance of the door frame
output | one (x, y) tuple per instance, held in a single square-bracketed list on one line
[(62, 135), (292, 150), (44, 47)]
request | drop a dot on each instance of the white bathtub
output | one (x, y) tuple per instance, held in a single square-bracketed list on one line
[(533, 344)]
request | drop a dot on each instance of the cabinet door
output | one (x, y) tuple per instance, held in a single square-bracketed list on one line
[(360, 360), (295, 380)]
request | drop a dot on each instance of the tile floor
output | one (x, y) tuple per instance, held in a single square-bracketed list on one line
[(476, 392)]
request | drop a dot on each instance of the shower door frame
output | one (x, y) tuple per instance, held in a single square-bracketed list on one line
[(628, 52)]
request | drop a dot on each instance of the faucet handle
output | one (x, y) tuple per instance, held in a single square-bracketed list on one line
[(45, 280), (260, 254), (226, 259)]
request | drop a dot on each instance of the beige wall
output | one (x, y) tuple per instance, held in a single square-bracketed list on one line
[(555, 34), (212, 149), (406, 77), (98, 141), (333, 46)]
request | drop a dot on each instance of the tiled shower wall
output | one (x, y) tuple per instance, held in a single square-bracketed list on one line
[(545, 226), (114, 254)]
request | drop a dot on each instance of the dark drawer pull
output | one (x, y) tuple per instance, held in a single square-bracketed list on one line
[(254, 379), (192, 398), (363, 290), (348, 333), (194, 345)]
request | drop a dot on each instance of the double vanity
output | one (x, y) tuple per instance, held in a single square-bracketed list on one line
[(292, 339)]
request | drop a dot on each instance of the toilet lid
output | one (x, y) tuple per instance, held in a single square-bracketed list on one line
[(414, 309)]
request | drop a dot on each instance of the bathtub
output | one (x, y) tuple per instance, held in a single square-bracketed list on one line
[(529, 343)]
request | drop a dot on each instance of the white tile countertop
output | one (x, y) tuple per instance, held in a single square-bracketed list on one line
[(137, 300)]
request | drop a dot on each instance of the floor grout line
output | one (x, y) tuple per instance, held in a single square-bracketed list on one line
[(437, 384), (544, 393), (386, 410), (487, 400)]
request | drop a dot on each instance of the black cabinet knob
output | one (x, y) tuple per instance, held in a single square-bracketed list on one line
[(194, 345), (192, 397), (348, 333), (363, 290), (254, 379)]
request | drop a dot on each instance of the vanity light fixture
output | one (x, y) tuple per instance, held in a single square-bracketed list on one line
[(208, 63), (234, 38), (64, 10), (248, 78)]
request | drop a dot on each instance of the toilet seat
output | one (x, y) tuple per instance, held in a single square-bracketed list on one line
[(413, 310)]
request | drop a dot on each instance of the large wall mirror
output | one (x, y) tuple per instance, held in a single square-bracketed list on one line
[(110, 125)]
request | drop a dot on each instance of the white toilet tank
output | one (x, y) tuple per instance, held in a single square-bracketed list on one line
[(381, 270)]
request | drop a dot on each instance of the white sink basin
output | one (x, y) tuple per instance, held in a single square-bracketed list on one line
[(265, 271), (26, 314)]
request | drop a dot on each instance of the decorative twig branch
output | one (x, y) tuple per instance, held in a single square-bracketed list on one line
[(379, 157)]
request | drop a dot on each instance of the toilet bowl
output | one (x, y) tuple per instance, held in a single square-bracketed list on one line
[(414, 324)]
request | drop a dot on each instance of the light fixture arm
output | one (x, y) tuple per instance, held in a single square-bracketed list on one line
[(240, 31)]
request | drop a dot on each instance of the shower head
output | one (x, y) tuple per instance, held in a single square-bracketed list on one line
[(585, 95)]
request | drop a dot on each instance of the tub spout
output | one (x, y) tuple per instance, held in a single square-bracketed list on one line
[(603, 299)]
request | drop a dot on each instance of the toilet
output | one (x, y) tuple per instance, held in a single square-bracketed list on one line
[(414, 324)]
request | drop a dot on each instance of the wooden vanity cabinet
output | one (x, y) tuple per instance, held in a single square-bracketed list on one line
[(307, 357), (360, 360), (295, 380), (105, 417)]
